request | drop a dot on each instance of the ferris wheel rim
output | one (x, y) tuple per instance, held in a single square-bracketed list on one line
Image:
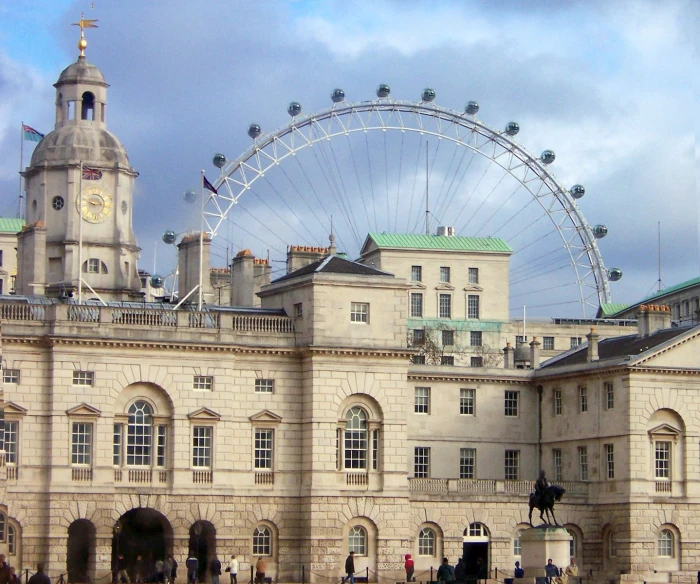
[(294, 129)]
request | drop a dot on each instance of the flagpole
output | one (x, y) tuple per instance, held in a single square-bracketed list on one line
[(80, 236), (21, 163), (201, 242)]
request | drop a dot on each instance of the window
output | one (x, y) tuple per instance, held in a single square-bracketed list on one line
[(421, 462), (93, 266), (512, 465), (517, 546), (375, 449), (448, 337), (583, 398), (426, 542), (477, 530), (203, 383), (262, 541), (467, 463), (357, 541), (161, 445), (83, 378), (583, 463), (574, 342), (418, 359), (472, 306), (201, 446), (264, 442), (139, 434), (264, 385), (556, 460), (466, 401), (445, 274), (476, 361), (417, 273), (416, 304), (473, 275), (520, 339), (3, 521), (356, 439), (476, 338), (665, 544), (10, 376), (662, 460), (298, 310), (445, 307), (548, 343), (418, 336), (511, 403), (573, 543), (558, 402), (609, 395), (422, 400), (117, 445), (11, 442), (359, 312), (81, 443), (11, 540), (612, 544), (610, 460), (447, 360)]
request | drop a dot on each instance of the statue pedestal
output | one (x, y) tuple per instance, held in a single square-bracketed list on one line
[(541, 543)]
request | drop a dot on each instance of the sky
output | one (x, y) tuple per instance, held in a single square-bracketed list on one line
[(610, 86)]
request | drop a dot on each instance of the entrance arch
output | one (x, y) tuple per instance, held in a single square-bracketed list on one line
[(145, 532), (203, 546), (475, 550), (80, 559)]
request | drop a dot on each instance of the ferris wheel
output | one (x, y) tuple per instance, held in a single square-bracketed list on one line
[(402, 166)]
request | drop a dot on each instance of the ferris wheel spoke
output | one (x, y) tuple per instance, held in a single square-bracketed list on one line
[(357, 178), (416, 166), (371, 184), (343, 193), (483, 202)]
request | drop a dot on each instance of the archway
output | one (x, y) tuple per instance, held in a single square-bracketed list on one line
[(203, 546), (475, 550), (144, 532), (80, 559)]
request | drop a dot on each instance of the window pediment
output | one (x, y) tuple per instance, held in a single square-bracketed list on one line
[(418, 286), (665, 431), (84, 410), (445, 286), (473, 288), (265, 416), (204, 414), (13, 409)]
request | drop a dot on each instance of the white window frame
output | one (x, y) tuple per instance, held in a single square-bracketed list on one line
[(421, 462), (421, 403), (416, 271), (511, 406), (359, 312), (298, 310), (11, 442), (264, 449), (467, 401), (557, 463), (583, 398), (426, 542), (202, 446), (356, 440), (609, 461), (264, 385), (609, 389), (444, 305), (262, 541), (357, 540), (467, 463), (548, 343), (665, 544), (203, 383), (574, 342), (511, 465), (582, 463), (558, 402), (473, 275), (84, 378), (473, 306), (445, 274), (476, 338), (11, 376), (416, 304), (81, 443), (662, 465)]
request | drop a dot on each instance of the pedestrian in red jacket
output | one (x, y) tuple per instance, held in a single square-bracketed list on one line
[(409, 568)]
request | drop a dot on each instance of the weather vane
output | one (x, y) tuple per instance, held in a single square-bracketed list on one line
[(83, 24)]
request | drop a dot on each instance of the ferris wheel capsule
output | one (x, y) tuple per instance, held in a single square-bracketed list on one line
[(190, 196), (383, 90), (169, 236), (337, 95), (548, 156), (428, 94), (614, 274), (219, 160), (294, 109), (600, 231), (254, 131), (577, 191), (472, 108), (512, 128), (156, 281)]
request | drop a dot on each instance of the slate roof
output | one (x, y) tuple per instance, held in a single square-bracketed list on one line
[(11, 225), (438, 242), (334, 265)]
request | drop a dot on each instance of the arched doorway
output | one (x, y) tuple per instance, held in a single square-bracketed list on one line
[(475, 549), (144, 532), (203, 546), (80, 559)]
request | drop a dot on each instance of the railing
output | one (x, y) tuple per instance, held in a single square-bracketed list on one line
[(488, 486), (2, 459), (428, 485), (264, 478), (262, 324), (202, 476), (663, 487), (356, 479), (139, 475), (162, 476), (117, 475), (22, 312), (203, 320), (474, 485), (12, 473), (519, 487), (144, 317), (84, 313), (81, 474), (573, 487)]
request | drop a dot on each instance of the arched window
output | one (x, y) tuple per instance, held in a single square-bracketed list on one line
[(426, 542), (573, 544), (357, 540), (665, 544), (517, 545), (94, 266), (477, 530), (88, 111), (139, 434), (262, 541), (3, 523), (11, 540), (356, 439), (612, 546)]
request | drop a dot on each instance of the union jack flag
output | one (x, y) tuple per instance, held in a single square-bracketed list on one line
[(91, 173)]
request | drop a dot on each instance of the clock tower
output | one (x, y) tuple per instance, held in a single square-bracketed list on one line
[(79, 190)]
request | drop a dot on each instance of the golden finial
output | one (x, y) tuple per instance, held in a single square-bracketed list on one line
[(83, 24)]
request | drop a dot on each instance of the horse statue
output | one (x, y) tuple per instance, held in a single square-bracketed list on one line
[(545, 502)]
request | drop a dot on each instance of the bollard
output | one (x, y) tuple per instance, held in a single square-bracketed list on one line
[(367, 574), (303, 574), (431, 574), (251, 574)]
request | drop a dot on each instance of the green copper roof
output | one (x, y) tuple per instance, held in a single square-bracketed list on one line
[(610, 308), (440, 242), (11, 225), (670, 289)]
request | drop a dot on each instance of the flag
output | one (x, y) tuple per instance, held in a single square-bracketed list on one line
[(91, 173), (207, 185), (31, 134)]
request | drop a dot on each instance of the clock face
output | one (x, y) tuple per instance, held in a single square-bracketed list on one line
[(95, 204)]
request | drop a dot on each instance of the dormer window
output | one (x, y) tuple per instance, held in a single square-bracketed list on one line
[(88, 110)]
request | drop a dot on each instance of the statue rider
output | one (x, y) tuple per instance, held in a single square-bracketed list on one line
[(541, 485)]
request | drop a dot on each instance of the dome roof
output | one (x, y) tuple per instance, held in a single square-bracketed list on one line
[(74, 143), (81, 72)]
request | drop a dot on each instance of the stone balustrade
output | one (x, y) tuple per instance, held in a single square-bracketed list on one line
[(488, 487)]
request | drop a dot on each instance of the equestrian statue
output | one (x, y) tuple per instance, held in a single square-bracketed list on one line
[(544, 497)]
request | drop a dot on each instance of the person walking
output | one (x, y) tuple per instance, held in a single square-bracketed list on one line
[(192, 565), (215, 570), (518, 572), (39, 577), (551, 570), (232, 569), (571, 570), (409, 566), (4, 570), (122, 572), (349, 569), (260, 568), (14, 578), (167, 569), (173, 570), (461, 571), (445, 573), (160, 571), (139, 569)]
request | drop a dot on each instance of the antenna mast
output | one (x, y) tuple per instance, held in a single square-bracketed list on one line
[(659, 283), (427, 193)]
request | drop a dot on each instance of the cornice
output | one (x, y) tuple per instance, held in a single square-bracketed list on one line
[(358, 352), (470, 378)]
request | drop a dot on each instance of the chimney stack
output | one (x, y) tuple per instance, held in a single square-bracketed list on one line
[(592, 345), (535, 353), (508, 357), (652, 318)]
